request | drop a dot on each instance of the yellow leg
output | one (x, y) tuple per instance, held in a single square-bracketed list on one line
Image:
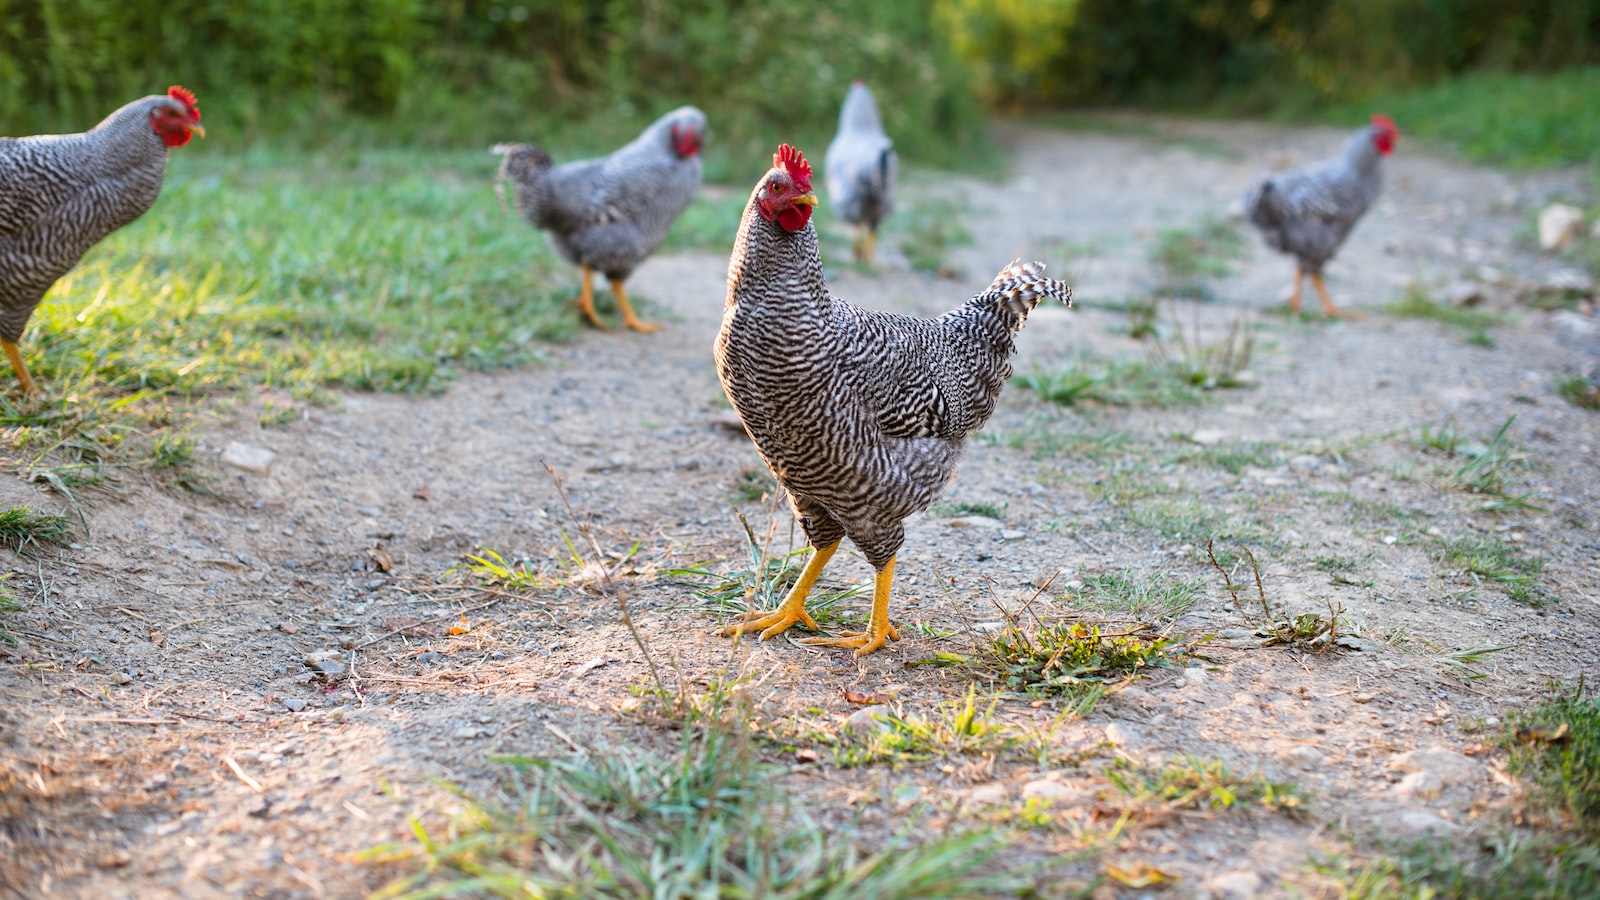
[(1327, 302), (878, 630), (870, 244), (585, 301), (628, 318), (1294, 298), (793, 608), (14, 353)]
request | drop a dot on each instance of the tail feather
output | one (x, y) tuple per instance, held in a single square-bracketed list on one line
[(524, 165), (1018, 289)]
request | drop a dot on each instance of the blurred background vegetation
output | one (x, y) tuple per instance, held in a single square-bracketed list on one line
[(584, 74)]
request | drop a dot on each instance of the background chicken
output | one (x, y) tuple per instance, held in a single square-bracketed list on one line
[(61, 193), (612, 212), (859, 414), (860, 166), (1308, 212)]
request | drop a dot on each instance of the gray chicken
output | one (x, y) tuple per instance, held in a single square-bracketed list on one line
[(612, 212), (1308, 212), (60, 194), (860, 414), (860, 167)]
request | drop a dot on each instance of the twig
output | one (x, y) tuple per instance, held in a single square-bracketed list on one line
[(253, 784)]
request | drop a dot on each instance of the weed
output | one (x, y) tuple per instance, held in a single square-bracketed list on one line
[(960, 728), (1507, 869), (1465, 664), (1140, 598), (1579, 391), (1193, 520), (1306, 630), (1188, 256), (1236, 457), (988, 510), (277, 415), (1336, 563), (1191, 783), (21, 528), (1143, 316), (1065, 387), (1416, 302), (1120, 383), (1073, 659), (1490, 559), (1484, 470), (763, 585), (171, 451), (492, 568), (708, 821), (9, 603), (1446, 438), (1555, 746), (1209, 366)]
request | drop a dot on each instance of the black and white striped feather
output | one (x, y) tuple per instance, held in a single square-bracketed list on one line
[(612, 212), (1308, 212), (61, 194), (860, 414)]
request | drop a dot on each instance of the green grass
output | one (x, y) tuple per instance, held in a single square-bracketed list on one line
[(960, 728), (1491, 559), (369, 270), (1417, 303), (1140, 597), (1581, 392), (1555, 747), (1515, 120), (1236, 457), (987, 509), (1072, 660), (1116, 383), (1190, 257), (1507, 870), (1191, 783), (762, 584), (1194, 521), (707, 821), (9, 603), (21, 528)]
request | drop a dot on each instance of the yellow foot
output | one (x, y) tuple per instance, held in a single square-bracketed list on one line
[(640, 326), (862, 642), (628, 318), (1349, 315), (770, 623), (588, 313)]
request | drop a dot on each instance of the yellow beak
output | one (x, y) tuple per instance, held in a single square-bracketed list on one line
[(199, 129), (809, 198)]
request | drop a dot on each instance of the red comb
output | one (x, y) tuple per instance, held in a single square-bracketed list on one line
[(1382, 121), (186, 97), (791, 160)]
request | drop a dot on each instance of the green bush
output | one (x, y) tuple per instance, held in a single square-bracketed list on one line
[(581, 75)]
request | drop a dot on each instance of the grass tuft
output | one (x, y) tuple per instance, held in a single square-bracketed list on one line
[(21, 527), (1417, 303), (1189, 257), (1555, 747), (763, 584), (1073, 660)]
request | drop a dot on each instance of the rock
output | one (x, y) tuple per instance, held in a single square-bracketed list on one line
[(1120, 735), (1450, 767), (329, 667), (991, 794), (248, 457), (1558, 225), (1012, 534), (468, 733), (1209, 437), (317, 656), (120, 677), (1238, 884), (1422, 785), (975, 522), (294, 704), (1194, 674), (1046, 791), (864, 722)]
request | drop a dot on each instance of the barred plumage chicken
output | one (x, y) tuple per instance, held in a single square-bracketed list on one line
[(612, 212), (1308, 212), (60, 194), (860, 167), (860, 414)]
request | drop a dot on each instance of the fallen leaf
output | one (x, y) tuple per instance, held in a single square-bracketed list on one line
[(460, 628), (591, 665), (1543, 735), (1140, 876), (422, 493), (861, 699), (157, 638), (382, 560)]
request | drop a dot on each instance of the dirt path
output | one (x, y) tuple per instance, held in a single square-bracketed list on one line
[(169, 738)]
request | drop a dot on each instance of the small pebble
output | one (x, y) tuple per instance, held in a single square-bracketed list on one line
[(294, 704)]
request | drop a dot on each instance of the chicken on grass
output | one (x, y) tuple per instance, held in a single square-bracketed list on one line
[(1308, 212), (60, 194), (859, 414), (609, 214), (860, 166)]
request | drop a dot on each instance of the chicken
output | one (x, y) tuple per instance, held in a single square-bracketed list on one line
[(60, 194), (1308, 212), (859, 414), (860, 166), (612, 212)]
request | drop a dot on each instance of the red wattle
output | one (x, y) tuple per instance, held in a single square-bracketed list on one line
[(795, 217)]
